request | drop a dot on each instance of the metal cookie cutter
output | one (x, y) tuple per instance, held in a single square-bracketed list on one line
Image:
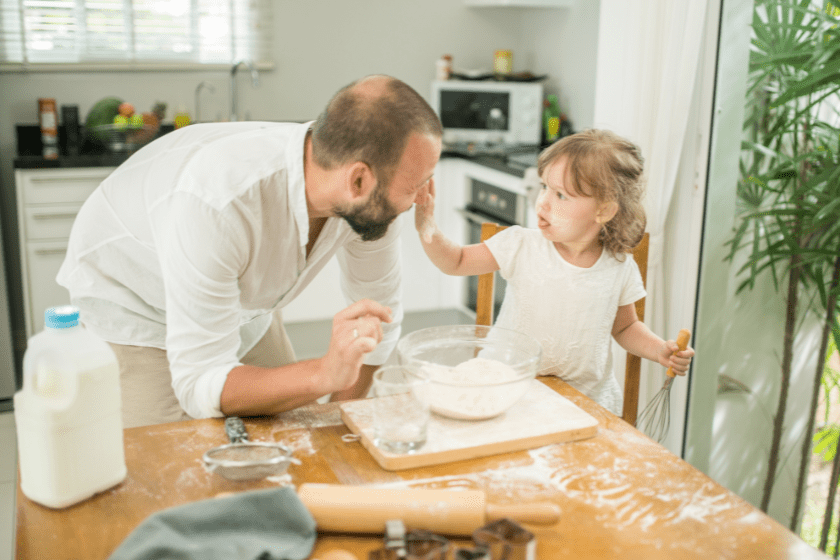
[(410, 545), (477, 553), (506, 540)]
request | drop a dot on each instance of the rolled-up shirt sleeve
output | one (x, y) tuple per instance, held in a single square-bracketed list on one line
[(373, 270), (201, 256)]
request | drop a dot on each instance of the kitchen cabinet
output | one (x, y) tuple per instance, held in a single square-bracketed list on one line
[(47, 203)]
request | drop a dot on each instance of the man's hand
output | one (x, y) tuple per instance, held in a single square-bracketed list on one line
[(360, 389), (356, 331), (424, 214)]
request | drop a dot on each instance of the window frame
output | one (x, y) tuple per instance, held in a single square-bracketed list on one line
[(259, 56)]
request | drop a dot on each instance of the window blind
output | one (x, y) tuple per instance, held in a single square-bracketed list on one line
[(181, 32)]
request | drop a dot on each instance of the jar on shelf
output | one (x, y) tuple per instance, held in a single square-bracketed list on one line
[(444, 67), (503, 62), (48, 119)]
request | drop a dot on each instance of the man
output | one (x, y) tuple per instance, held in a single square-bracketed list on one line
[(184, 255)]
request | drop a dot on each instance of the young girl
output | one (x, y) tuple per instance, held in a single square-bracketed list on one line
[(570, 282)]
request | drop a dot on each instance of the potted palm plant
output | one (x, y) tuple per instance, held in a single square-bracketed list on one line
[(789, 186)]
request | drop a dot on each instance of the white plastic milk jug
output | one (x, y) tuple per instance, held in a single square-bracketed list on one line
[(68, 414)]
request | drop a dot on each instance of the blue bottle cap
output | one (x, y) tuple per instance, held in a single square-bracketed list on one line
[(61, 317)]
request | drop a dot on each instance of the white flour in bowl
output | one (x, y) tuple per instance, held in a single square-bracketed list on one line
[(463, 394)]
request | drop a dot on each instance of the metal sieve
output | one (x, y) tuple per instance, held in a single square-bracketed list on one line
[(247, 460)]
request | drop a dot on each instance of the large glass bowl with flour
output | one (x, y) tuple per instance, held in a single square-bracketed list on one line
[(474, 372)]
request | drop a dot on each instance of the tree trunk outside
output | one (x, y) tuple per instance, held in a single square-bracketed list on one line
[(787, 359), (809, 431), (829, 502)]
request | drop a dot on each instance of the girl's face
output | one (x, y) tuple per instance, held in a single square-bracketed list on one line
[(569, 219)]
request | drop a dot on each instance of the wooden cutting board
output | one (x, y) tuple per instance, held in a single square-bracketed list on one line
[(541, 417)]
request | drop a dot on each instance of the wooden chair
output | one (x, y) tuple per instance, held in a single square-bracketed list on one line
[(633, 368), (484, 316), (484, 299)]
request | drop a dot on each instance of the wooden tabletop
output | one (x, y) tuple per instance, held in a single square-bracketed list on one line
[(621, 494)]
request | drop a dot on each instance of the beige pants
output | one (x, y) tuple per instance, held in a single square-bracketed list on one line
[(146, 382)]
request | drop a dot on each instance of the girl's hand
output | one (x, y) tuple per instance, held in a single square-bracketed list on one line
[(670, 356), (424, 213)]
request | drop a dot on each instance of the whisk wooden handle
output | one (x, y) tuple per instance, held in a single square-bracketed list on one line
[(682, 342)]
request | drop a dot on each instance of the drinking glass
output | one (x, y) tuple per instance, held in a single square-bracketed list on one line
[(401, 408)]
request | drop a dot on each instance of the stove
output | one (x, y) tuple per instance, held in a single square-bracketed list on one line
[(527, 159)]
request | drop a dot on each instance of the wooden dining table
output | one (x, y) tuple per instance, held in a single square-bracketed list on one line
[(621, 494)]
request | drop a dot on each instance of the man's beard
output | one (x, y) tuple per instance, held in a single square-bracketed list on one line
[(371, 219)]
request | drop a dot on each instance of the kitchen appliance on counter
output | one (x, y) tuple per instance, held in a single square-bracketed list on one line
[(488, 114)]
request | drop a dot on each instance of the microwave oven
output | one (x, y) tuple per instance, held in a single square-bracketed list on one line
[(485, 112)]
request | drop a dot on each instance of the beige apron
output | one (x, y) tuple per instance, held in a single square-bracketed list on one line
[(146, 382)]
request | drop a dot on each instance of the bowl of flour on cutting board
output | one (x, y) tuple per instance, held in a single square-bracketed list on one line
[(475, 372)]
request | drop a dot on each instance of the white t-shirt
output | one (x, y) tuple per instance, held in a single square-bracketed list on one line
[(192, 243), (570, 310)]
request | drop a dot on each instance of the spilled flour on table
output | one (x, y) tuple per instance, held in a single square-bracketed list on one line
[(652, 497), (299, 442), (634, 492), (303, 417), (284, 479), (193, 476)]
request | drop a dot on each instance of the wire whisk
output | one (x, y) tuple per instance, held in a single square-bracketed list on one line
[(655, 419)]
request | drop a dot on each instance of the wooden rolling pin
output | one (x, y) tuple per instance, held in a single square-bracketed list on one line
[(359, 509)]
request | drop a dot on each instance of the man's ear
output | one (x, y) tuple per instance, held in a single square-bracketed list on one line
[(361, 180), (606, 211)]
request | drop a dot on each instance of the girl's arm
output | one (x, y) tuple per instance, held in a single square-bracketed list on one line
[(450, 257), (635, 337)]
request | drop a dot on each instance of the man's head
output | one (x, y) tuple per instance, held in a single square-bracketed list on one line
[(385, 132)]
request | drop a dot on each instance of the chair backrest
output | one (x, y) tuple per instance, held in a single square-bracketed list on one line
[(633, 367), (484, 299), (484, 316)]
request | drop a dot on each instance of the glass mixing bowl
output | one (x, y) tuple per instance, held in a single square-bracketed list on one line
[(475, 372)]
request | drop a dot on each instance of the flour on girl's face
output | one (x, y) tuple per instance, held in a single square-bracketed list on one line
[(565, 216)]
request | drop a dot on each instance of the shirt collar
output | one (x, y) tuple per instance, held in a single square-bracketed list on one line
[(296, 180)]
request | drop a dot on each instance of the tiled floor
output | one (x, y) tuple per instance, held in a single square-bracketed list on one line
[(8, 485), (309, 340)]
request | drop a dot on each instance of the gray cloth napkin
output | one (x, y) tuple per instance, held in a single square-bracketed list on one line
[(262, 524)]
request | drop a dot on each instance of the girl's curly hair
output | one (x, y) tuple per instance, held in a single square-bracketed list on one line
[(603, 165)]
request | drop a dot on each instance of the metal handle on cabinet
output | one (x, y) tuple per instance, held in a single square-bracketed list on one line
[(50, 180), (54, 215), (57, 251)]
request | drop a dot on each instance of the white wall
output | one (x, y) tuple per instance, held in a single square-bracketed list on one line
[(563, 44), (321, 45)]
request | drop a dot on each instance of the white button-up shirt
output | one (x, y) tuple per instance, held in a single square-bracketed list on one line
[(192, 242)]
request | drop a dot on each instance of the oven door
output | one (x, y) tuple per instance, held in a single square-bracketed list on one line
[(474, 220)]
